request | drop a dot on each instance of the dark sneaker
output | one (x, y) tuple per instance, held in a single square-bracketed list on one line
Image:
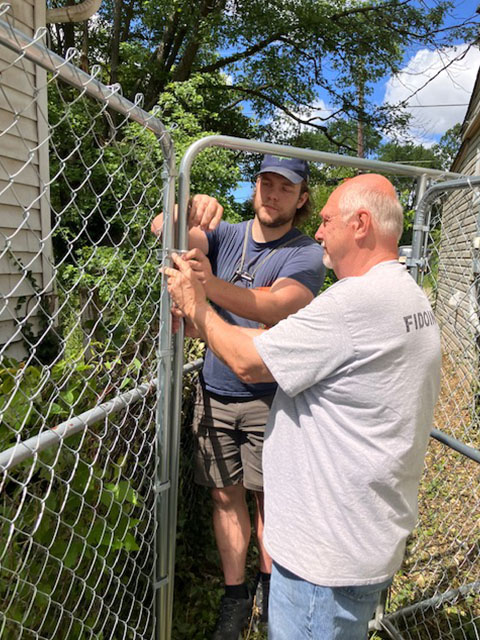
[(232, 618), (260, 602)]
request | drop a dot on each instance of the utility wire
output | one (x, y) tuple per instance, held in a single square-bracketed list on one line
[(424, 106)]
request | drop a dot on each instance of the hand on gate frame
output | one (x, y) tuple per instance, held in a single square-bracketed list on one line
[(204, 212), (186, 290)]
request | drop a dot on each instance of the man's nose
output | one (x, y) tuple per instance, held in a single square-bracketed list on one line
[(319, 233), (272, 194)]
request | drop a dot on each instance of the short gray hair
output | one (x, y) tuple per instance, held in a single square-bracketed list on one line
[(386, 210)]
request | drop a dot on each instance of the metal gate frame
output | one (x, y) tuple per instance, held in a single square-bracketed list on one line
[(416, 264)]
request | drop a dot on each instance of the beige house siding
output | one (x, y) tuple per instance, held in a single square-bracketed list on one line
[(25, 247), (457, 307)]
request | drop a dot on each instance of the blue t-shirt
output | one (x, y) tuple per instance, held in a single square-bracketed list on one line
[(300, 259)]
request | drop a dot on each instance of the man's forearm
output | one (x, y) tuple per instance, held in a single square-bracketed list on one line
[(234, 345), (231, 344), (266, 307), (247, 303)]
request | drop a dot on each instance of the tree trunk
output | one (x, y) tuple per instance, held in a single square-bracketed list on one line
[(115, 42), (361, 104), (184, 67), (68, 31), (128, 13)]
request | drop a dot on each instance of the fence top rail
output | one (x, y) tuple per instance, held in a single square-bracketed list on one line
[(256, 146), (33, 50), (463, 182), (25, 449)]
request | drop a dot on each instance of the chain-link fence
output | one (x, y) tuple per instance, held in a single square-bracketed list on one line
[(82, 454), (86, 457), (436, 594)]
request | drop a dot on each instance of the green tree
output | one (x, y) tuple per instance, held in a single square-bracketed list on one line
[(409, 153), (340, 137), (412, 155), (278, 56), (448, 146)]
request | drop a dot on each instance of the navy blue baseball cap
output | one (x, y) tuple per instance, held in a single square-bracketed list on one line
[(292, 169)]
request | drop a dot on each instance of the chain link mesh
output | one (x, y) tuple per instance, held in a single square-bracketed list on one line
[(436, 594), (79, 327), (79, 321)]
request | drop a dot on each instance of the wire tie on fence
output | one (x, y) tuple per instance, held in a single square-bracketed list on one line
[(421, 227), (161, 487), (161, 583), (139, 100), (72, 53), (39, 34), (115, 89), (95, 71)]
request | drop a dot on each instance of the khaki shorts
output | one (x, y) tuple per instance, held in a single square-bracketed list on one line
[(228, 437)]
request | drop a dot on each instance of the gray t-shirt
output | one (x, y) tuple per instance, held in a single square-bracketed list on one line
[(358, 371)]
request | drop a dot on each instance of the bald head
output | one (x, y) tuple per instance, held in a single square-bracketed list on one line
[(372, 182), (376, 194)]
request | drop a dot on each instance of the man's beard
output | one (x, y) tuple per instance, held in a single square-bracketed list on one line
[(277, 222), (326, 260)]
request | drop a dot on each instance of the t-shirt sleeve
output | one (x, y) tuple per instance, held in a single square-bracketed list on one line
[(306, 266), (308, 346), (214, 238)]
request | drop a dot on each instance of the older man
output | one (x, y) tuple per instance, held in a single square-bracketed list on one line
[(358, 377)]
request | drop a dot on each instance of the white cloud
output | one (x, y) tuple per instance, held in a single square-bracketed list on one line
[(317, 115), (452, 86), (228, 79)]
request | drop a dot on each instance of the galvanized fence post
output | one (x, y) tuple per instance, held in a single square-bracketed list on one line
[(166, 429), (418, 230)]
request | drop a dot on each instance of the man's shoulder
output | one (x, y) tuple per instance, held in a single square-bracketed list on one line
[(303, 261), (303, 236), (300, 239), (226, 236), (385, 284), (303, 245), (230, 229)]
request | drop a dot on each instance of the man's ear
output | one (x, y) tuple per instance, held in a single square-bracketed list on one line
[(363, 222), (302, 199)]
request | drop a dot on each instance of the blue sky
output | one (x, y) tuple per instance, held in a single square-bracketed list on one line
[(443, 101), (441, 96)]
